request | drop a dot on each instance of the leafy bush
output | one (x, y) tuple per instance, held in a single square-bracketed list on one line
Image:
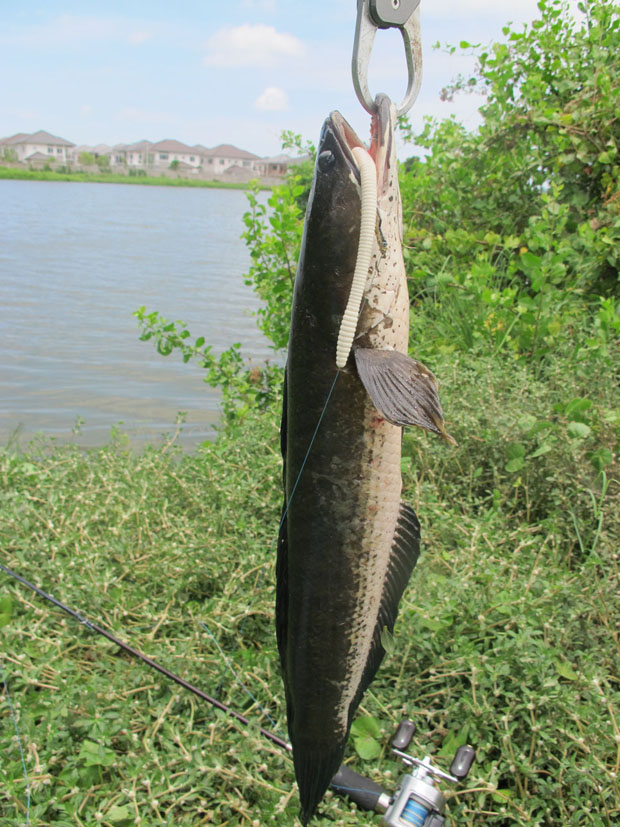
[(513, 231), (243, 388)]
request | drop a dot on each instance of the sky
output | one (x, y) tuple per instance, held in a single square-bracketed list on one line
[(220, 71)]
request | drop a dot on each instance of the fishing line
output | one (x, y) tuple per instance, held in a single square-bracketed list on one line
[(303, 464), (235, 675), (19, 742)]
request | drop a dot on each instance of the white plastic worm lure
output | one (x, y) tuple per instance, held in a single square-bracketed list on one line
[(368, 225)]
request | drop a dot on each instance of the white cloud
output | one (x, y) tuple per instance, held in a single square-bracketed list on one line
[(248, 45), (272, 99)]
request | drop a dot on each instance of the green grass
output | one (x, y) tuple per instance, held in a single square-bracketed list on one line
[(111, 178), (507, 636)]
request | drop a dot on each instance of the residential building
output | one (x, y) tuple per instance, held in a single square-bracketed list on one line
[(139, 155), (165, 152), (276, 166), (221, 157), (38, 146), (225, 161)]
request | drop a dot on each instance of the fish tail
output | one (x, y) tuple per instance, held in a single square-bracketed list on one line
[(314, 769)]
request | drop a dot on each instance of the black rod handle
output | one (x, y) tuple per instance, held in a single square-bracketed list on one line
[(363, 791)]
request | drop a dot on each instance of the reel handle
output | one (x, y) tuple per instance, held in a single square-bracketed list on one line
[(365, 793), (463, 759), (403, 735)]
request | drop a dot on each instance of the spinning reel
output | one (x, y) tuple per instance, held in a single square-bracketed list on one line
[(417, 802)]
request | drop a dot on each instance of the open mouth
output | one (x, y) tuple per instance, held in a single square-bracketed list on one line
[(380, 143)]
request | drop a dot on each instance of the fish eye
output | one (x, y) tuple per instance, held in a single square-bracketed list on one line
[(326, 160)]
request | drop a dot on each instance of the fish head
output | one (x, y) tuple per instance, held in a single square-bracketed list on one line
[(331, 235), (330, 244)]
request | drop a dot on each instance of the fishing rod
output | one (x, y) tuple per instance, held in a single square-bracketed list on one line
[(144, 658), (417, 801)]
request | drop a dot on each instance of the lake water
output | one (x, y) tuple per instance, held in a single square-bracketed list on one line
[(75, 261)]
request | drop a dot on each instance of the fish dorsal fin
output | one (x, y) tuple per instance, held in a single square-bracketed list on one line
[(401, 388), (404, 556)]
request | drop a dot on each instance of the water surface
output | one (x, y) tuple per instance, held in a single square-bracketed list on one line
[(75, 261)]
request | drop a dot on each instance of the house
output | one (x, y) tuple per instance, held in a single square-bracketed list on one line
[(165, 152), (36, 147), (139, 155), (169, 157), (276, 166), (224, 156)]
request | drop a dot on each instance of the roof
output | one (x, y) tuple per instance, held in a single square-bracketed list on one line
[(230, 151), (173, 146), (40, 156), (14, 139), (139, 146), (278, 159), (40, 137)]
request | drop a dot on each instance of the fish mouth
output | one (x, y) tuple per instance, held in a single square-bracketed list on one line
[(346, 140), (382, 138)]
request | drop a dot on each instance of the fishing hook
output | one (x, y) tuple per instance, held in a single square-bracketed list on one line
[(387, 14)]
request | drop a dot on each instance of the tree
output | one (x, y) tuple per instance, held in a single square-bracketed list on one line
[(9, 155), (513, 231), (86, 159)]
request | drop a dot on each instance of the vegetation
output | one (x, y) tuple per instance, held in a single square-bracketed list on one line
[(102, 177), (9, 155), (86, 159), (508, 636)]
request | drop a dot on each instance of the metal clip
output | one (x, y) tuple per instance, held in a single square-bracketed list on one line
[(386, 14)]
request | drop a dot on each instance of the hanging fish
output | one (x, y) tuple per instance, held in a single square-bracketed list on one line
[(347, 543)]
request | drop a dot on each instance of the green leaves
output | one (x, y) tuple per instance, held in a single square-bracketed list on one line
[(366, 732), (6, 611), (242, 387), (516, 457), (520, 217), (96, 755)]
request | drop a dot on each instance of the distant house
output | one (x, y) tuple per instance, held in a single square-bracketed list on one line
[(276, 166), (29, 147), (169, 157), (139, 155), (165, 152), (224, 156)]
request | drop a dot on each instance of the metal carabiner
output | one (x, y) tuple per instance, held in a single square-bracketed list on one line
[(386, 14)]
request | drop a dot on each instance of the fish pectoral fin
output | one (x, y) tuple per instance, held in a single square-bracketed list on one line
[(404, 556), (402, 389)]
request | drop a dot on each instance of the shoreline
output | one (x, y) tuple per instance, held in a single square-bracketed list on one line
[(10, 173)]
